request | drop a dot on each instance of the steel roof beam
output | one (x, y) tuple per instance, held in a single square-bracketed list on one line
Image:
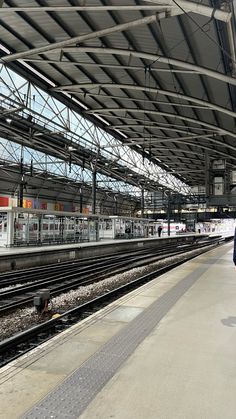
[(117, 8), (153, 57), (207, 105), (194, 7), (153, 141), (182, 131), (188, 6), (194, 144), (163, 127), (167, 5), (186, 131), (162, 124), (109, 66), (220, 130), (177, 158), (81, 38), (214, 150), (11, 110), (197, 144), (158, 102), (217, 154)]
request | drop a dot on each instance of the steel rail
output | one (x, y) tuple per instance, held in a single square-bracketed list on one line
[(26, 274), (67, 282), (19, 297)]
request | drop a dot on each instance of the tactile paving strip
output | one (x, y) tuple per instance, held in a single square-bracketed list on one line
[(70, 398)]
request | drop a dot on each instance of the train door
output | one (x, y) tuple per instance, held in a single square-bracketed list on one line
[(93, 230), (3, 229), (61, 228), (33, 229), (21, 229)]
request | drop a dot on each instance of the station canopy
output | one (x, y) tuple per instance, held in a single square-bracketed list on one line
[(157, 77)]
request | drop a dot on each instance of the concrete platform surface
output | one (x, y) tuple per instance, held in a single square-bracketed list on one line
[(47, 248), (164, 351), (27, 257), (186, 368)]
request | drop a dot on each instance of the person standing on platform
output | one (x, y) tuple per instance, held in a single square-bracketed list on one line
[(159, 230), (128, 232), (234, 255)]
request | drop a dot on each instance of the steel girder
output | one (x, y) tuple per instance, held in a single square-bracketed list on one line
[(199, 118)]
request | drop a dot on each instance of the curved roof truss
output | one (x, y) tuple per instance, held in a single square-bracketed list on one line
[(167, 114), (202, 103), (172, 62), (150, 57)]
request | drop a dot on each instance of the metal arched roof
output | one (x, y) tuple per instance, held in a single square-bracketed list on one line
[(158, 74)]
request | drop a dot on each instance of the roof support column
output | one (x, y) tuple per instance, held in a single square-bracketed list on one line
[(81, 200), (207, 174), (142, 202), (168, 211), (94, 185)]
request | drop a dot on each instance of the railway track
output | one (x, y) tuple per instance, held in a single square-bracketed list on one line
[(85, 272), (21, 343), (17, 345), (26, 275)]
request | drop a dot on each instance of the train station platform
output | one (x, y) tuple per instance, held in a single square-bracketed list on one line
[(165, 350), (12, 258)]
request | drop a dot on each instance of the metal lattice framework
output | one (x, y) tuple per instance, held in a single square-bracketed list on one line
[(83, 145), (141, 91)]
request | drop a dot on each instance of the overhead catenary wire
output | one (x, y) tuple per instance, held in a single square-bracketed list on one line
[(199, 28), (204, 31)]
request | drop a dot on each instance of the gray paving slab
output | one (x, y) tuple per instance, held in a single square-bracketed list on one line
[(139, 363), (185, 368), (71, 398)]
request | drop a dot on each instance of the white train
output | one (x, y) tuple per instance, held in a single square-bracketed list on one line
[(21, 226)]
